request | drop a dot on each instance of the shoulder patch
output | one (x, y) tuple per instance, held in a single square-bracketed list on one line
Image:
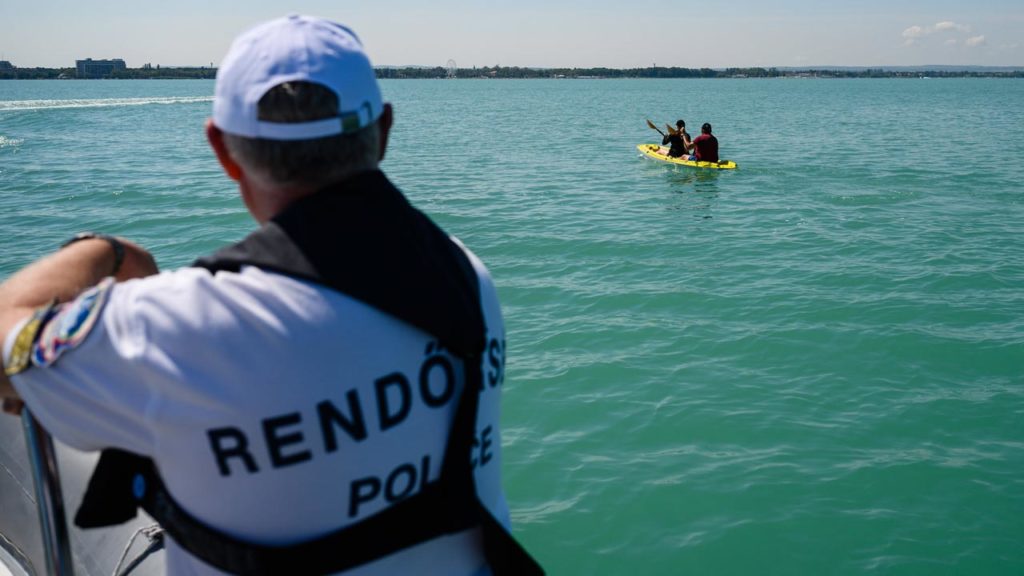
[(71, 324), (21, 351)]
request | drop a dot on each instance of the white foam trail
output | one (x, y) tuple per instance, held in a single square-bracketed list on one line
[(19, 105)]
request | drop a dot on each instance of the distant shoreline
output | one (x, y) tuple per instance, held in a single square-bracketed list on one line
[(500, 72)]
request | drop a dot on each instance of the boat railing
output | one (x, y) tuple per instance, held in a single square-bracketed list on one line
[(49, 498)]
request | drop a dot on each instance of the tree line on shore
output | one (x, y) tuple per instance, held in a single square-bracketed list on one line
[(675, 72), (569, 73), (127, 74)]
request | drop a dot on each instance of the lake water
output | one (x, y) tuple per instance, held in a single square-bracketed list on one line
[(813, 364)]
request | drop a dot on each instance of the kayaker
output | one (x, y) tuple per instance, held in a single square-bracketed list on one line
[(677, 139), (704, 148)]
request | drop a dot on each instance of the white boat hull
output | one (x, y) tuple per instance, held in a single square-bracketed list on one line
[(94, 552)]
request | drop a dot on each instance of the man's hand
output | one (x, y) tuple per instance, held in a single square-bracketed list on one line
[(138, 262)]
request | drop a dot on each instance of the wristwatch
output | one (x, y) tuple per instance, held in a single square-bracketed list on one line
[(114, 243)]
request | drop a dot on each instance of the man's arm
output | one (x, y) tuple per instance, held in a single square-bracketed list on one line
[(687, 143), (63, 275)]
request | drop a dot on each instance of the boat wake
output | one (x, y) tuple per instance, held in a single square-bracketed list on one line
[(22, 105)]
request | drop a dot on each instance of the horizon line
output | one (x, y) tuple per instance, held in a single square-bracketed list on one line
[(576, 67)]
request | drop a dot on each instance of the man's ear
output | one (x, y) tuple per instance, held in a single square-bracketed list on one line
[(216, 138), (387, 118)]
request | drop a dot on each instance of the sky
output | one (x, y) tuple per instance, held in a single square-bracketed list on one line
[(536, 33)]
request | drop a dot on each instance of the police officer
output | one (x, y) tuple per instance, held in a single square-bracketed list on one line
[(323, 396)]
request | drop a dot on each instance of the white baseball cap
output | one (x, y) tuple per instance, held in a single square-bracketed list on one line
[(289, 49)]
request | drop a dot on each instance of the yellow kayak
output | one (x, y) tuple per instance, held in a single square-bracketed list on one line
[(653, 151)]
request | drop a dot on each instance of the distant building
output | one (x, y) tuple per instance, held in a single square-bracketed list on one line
[(6, 66), (90, 68)]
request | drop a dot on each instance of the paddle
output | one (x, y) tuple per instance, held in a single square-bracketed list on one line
[(653, 127), (671, 130)]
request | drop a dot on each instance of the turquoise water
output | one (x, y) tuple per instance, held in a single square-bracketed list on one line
[(811, 365)]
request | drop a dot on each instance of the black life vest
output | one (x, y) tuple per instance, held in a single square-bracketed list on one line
[(362, 238)]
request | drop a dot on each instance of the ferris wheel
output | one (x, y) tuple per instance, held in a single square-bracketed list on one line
[(450, 67)]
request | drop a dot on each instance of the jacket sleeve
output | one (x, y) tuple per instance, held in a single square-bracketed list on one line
[(84, 385)]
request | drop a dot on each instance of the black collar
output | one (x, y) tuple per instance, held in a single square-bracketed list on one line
[(361, 237)]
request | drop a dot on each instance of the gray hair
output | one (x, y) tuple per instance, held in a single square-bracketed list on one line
[(315, 162)]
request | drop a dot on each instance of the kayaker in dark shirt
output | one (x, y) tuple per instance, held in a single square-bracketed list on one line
[(705, 146), (677, 139)]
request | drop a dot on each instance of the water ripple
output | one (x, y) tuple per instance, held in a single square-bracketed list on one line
[(812, 364)]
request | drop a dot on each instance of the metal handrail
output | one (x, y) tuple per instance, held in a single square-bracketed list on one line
[(49, 498)]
